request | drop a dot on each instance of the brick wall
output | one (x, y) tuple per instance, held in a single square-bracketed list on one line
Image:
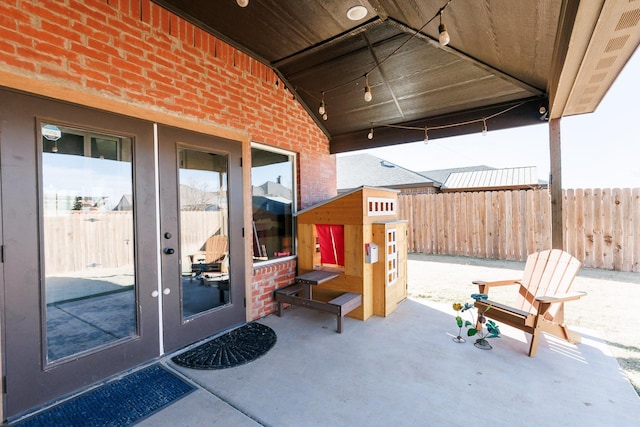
[(266, 280), (136, 52)]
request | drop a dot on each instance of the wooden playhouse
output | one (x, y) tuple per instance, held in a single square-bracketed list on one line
[(359, 236)]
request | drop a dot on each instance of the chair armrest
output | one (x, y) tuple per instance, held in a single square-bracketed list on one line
[(483, 286), (570, 296)]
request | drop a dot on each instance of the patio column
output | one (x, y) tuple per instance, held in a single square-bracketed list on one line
[(555, 185)]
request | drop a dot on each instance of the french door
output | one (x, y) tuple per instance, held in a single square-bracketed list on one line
[(201, 224), (96, 279)]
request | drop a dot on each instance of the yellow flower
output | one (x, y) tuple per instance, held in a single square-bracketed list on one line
[(457, 306)]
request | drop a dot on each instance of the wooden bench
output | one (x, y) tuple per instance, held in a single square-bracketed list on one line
[(300, 294)]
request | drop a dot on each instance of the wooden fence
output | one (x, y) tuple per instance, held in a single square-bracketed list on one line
[(601, 226), (92, 241)]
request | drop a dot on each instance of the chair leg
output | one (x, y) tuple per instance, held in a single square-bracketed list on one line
[(535, 338)]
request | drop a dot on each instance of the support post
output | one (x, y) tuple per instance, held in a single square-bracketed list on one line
[(555, 185)]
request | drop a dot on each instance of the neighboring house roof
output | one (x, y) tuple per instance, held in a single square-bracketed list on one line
[(508, 178), (441, 175), (125, 203), (367, 170), (271, 188), (197, 198)]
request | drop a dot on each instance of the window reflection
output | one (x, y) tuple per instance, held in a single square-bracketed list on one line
[(204, 231), (272, 178), (88, 240)]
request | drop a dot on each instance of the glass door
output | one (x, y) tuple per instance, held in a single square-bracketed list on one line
[(80, 247), (87, 240), (203, 247)]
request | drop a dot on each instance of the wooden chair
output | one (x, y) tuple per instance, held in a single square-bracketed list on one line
[(215, 254), (542, 293)]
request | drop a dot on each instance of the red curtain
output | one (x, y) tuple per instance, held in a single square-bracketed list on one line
[(331, 240)]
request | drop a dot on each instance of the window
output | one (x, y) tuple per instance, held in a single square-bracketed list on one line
[(87, 240), (273, 185)]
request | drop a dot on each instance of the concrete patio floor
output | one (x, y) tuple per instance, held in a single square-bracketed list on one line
[(405, 370)]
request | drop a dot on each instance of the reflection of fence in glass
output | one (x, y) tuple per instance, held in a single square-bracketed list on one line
[(88, 240)]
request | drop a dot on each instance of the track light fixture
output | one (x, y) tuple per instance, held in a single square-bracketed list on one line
[(484, 127), (370, 134)]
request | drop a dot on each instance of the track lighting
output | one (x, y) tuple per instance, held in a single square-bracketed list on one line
[(243, 3), (370, 134), (367, 89), (484, 127)]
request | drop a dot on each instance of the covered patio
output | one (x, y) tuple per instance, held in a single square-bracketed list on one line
[(307, 79), (404, 370)]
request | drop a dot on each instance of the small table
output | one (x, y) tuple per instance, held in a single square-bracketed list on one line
[(314, 278), (340, 306)]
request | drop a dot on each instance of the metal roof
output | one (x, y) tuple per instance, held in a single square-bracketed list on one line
[(521, 177)]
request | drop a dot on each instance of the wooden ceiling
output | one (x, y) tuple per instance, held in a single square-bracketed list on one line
[(503, 61)]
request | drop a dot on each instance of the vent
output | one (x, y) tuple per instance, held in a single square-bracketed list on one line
[(606, 62), (597, 78), (616, 43), (628, 19)]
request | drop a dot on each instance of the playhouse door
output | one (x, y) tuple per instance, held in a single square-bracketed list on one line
[(201, 219)]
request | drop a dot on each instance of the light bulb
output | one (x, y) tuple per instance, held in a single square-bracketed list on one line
[(367, 94), (324, 116), (444, 35), (243, 3), (370, 134), (321, 110)]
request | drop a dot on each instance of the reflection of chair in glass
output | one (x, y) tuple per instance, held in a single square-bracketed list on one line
[(214, 259)]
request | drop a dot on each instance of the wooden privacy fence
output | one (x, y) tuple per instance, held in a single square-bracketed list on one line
[(92, 241), (601, 226)]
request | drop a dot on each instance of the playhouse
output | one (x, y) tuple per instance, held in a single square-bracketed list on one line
[(358, 236)]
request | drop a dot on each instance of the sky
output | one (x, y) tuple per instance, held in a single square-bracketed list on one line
[(599, 150)]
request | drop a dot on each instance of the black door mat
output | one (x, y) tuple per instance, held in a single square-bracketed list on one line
[(121, 402), (235, 348)]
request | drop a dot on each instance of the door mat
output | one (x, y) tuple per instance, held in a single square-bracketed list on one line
[(235, 348), (121, 402)]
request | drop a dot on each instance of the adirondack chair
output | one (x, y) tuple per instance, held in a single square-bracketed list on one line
[(542, 293), (213, 258)]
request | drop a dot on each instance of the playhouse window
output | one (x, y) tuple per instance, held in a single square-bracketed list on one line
[(330, 244), (273, 195)]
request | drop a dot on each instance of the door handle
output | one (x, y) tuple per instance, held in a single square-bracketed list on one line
[(169, 251)]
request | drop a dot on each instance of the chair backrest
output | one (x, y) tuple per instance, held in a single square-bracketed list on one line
[(547, 273), (215, 248)]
